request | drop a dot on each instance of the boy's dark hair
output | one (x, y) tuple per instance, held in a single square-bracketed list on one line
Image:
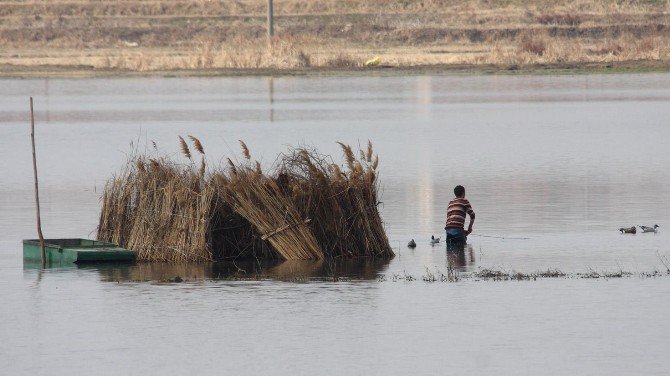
[(459, 190)]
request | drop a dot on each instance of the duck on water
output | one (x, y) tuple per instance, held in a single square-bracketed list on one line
[(649, 228), (633, 229)]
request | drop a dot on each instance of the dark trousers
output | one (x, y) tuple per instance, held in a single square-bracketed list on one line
[(455, 236)]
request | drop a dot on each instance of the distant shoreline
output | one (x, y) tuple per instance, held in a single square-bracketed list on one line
[(82, 71), (136, 38)]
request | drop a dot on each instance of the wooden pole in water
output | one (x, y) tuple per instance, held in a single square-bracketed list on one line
[(271, 30), (37, 194)]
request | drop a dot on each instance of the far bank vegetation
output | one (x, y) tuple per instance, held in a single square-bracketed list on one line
[(142, 35)]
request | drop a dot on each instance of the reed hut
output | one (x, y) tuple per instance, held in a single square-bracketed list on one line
[(305, 207)]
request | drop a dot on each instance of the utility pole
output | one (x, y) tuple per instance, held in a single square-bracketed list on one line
[(271, 31)]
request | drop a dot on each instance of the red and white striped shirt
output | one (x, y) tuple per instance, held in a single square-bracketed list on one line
[(456, 211)]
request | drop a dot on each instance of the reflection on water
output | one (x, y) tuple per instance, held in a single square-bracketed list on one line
[(294, 270), (363, 269), (460, 256), (359, 269)]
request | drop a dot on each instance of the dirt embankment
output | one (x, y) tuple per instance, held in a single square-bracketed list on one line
[(64, 37)]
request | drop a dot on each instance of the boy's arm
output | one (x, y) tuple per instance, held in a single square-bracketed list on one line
[(472, 218), (472, 221)]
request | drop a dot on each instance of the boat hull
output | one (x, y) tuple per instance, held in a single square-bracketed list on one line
[(75, 251)]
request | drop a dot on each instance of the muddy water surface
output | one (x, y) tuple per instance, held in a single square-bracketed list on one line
[(552, 164)]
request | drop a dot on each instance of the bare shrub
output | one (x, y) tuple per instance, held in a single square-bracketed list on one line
[(235, 53), (609, 47), (342, 61), (304, 59), (564, 51), (244, 54), (533, 44), (499, 55), (203, 55), (286, 54), (647, 44), (143, 62)]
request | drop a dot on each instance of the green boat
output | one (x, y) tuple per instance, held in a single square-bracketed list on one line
[(69, 251)]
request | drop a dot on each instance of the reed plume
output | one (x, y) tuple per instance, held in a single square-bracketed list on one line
[(245, 150), (197, 145), (184, 148), (349, 154)]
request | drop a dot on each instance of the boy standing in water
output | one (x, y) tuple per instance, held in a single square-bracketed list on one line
[(456, 211)]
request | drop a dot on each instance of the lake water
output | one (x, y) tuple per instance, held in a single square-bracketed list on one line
[(553, 164)]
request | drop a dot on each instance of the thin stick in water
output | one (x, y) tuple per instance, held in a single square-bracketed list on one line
[(37, 195)]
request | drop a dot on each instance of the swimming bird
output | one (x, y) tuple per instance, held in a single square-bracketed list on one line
[(648, 229), (628, 230), (411, 244), (434, 240)]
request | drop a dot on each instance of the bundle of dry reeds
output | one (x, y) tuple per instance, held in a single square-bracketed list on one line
[(341, 202), (308, 208), (160, 210), (258, 199)]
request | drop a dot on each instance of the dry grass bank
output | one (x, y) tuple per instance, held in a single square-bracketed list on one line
[(148, 36)]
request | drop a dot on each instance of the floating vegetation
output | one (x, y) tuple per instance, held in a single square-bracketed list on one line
[(304, 207), (487, 274), (429, 276), (550, 273), (502, 275)]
